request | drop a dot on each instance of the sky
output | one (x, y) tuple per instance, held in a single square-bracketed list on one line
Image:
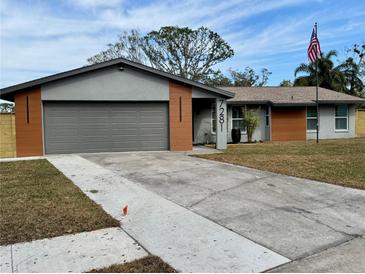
[(40, 37)]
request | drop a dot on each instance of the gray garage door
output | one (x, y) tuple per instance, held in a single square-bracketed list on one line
[(73, 127)]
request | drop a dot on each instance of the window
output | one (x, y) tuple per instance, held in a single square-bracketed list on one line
[(237, 118), (213, 122), (341, 118), (267, 116), (311, 118)]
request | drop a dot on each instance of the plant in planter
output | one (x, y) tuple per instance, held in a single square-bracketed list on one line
[(236, 135), (251, 120)]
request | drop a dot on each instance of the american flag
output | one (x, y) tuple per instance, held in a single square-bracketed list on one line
[(314, 49)]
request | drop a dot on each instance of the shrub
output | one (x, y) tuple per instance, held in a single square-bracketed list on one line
[(251, 120)]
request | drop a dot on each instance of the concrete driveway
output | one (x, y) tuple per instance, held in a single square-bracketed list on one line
[(303, 220)]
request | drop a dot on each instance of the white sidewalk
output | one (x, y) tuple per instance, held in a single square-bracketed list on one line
[(185, 240), (71, 253)]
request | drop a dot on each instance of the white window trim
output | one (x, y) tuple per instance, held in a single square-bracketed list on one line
[(244, 131), (311, 118), (211, 119), (343, 117), (267, 116)]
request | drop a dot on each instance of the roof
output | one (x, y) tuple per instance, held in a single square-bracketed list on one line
[(288, 96), (11, 90)]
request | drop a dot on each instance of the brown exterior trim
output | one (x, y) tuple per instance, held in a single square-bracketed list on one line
[(28, 121), (289, 124), (181, 120)]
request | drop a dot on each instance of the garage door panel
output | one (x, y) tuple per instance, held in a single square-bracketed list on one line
[(59, 114), (62, 120), (151, 131), (124, 132), (123, 120), (75, 127)]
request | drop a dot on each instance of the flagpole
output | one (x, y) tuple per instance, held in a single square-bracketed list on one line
[(317, 99)]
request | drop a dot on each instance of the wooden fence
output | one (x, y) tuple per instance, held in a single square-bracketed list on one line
[(360, 122), (7, 135)]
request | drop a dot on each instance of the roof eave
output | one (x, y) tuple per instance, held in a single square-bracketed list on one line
[(119, 61), (247, 102), (354, 101), (308, 103)]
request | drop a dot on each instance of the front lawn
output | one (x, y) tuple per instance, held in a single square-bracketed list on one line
[(340, 162), (149, 264), (37, 201)]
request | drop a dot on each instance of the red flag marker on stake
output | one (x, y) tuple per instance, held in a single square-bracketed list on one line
[(125, 210)]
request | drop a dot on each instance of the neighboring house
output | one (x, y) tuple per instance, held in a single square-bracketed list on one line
[(120, 105), (286, 114)]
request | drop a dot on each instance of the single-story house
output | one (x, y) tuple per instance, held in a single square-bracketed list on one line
[(121, 105), (286, 114), (117, 105)]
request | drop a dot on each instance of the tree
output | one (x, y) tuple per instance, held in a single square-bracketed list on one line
[(286, 83), (217, 79), (181, 51), (329, 76), (129, 46), (251, 120), (357, 53), (185, 52), (237, 78), (7, 107), (249, 77), (351, 71)]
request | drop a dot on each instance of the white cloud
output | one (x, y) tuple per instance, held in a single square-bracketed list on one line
[(94, 4), (38, 39)]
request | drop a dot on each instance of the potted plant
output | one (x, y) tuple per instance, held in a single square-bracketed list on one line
[(236, 135)]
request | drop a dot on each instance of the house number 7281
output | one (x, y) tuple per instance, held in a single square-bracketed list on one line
[(221, 115)]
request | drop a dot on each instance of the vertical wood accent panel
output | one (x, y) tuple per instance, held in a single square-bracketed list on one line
[(28, 121), (180, 117), (289, 124)]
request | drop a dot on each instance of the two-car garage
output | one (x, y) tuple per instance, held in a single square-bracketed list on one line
[(113, 106), (73, 127)]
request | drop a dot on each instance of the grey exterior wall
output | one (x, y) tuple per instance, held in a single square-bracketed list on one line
[(109, 84), (202, 125), (200, 93), (327, 124)]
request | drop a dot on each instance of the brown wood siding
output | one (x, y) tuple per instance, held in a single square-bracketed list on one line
[(28, 121), (180, 117), (289, 124)]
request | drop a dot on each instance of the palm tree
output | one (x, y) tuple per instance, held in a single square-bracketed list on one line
[(329, 76)]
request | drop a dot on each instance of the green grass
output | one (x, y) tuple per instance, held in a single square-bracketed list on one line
[(340, 162), (37, 201), (149, 264)]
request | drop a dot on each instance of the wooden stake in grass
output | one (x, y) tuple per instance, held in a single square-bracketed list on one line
[(125, 210)]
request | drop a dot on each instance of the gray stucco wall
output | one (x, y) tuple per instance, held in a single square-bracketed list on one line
[(202, 125), (327, 124), (200, 93), (108, 84)]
